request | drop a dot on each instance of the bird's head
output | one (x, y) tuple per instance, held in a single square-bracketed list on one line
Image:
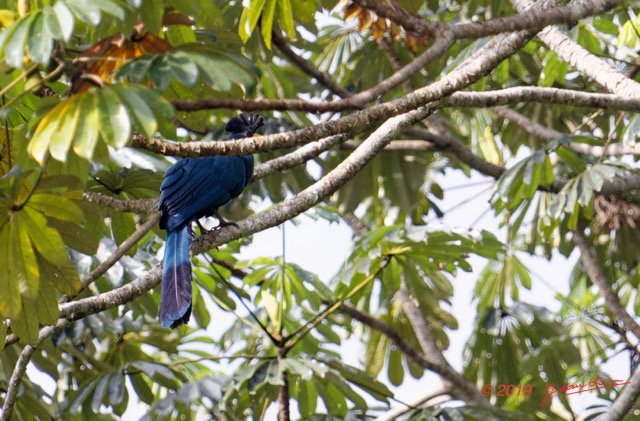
[(244, 125)]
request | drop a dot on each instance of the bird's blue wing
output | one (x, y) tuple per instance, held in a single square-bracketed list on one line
[(199, 186)]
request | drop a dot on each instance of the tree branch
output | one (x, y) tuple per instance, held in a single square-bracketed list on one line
[(462, 387), (625, 400), (116, 255), (348, 102), (510, 96), (21, 367), (525, 20), (409, 350), (297, 157), (473, 68), (507, 96), (136, 206), (536, 129), (599, 279), (323, 78), (583, 60)]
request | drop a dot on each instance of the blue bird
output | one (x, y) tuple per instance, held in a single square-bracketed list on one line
[(194, 188)]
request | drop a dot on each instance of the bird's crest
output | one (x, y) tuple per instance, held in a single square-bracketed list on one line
[(244, 123)]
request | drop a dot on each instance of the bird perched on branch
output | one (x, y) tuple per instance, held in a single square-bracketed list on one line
[(194, 188)]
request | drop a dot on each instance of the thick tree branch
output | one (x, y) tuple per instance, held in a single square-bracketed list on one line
[(348, 102), (587, 63), (508, 96), (421, 326), (473, 68), (597, 276), (397, 146), (137, 206), (297, 157), (534, 19), (625, 400), (409, 350)]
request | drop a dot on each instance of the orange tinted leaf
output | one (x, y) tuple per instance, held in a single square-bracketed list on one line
[(351, 11), (394, 31), (412, 42), (153, 44), (379, 28), (365, 19)]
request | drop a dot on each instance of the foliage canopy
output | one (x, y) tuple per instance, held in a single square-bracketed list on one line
[(369, 105)]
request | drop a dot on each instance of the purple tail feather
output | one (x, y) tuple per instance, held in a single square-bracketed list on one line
[(175, 301)]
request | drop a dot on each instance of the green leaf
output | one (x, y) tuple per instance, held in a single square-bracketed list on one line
[(571, 159), (40, 43), (56, 206), (86, 136), (65, 133), (85, 10), (122, 226), (266, 21), (14, 48), (55, 259), (24, 259), (161, 71), (396, 371), (273, 308), (52, 24), (151, 13), (116, 391), (76, 236), (10, 299), (142, 389), (114, 123), (255, 11), (139, 111), (183, 68), (25, 324), (285, 18), (46, 305)]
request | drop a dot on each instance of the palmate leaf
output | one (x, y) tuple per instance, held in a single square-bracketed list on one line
[(107, 114), (330, 380), (524, 335), (520, 182), (499, 279), (34, 252), (578, 193), (33, 35), (427, 249), (218, 69)]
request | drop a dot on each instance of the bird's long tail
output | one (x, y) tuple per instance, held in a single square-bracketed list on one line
[(175, 301)]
